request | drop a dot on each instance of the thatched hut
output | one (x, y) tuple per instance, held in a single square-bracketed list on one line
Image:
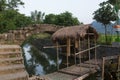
[(75, 32), (71, 36)]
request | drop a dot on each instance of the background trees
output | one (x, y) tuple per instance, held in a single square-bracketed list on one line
[(10, 18), (63, 19)]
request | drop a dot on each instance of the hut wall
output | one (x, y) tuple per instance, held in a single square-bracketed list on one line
[(107, 51)]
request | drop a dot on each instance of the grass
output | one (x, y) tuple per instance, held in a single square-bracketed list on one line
[(110, 39), (36, 36), (41, 36)]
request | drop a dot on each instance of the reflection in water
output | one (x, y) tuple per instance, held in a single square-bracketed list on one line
[(38, 62)]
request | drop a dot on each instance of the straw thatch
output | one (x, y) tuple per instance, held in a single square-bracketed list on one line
[(74, 32)]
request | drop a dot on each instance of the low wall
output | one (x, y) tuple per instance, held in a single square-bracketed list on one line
[(103, 51)]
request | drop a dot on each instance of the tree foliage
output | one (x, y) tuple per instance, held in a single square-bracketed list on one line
[(63, 19), (11, 19), (50, 19), (115, 3), (105, 14), (10, 4)]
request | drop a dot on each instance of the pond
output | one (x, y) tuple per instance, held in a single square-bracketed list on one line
[(38, 62)]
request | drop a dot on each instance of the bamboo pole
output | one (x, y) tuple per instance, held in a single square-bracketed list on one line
[(95, 51), (89, 49), (80, 50), (55, 46), (80, 54), (103, 68), (118, 63), (76, 49), (57, 56), (118, 74), (68, 50)]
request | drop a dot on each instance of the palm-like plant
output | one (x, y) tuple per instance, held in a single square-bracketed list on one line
[(37, 17)]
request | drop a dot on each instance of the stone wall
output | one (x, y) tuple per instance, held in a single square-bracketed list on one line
[(19, 35), (103, 51)]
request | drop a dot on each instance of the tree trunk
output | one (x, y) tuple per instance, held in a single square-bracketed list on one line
[(106, 33)]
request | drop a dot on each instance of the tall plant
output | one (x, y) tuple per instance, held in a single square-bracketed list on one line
[(37, 16)]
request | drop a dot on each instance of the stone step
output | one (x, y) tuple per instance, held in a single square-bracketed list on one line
[(10, 48), (23, 75), (10, 54), (11, 61), (11, 69)]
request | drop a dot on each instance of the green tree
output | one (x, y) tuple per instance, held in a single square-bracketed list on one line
[(37, 17), (2, 5), (116, 4), (10, 4), (67, 19), (63, 19), (50, 19), (11, 19), (105, 14)]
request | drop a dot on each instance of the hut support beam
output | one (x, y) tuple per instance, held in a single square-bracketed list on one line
[(103, 63), (80, 54), (118, 68), (89, 48), (95, 51), (68, 50), (76, 49), (57, 55)]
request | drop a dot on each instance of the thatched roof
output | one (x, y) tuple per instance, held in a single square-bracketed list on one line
[(74, 32)]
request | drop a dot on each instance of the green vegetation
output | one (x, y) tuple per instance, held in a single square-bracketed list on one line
[(63, 19), (41, 36), (107, 13), (10, 18), (37, 36), (111, 38)]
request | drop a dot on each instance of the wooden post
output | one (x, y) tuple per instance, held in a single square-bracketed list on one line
[(88, 48), (95, 51), (80, 54), (80, 50), (118, 74), (57, 56), (76, 49), (103, 68), (68, 50)]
